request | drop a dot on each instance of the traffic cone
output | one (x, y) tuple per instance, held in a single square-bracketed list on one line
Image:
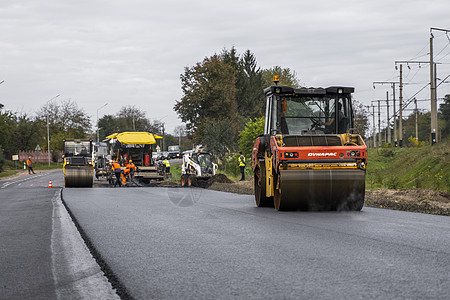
[(50, 183)]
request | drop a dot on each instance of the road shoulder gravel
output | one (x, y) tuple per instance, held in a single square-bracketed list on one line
[(412, 200)]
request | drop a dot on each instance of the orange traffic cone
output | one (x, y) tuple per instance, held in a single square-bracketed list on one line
[(50, 183)]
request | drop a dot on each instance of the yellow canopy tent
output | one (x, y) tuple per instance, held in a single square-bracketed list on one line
[(134, 137)]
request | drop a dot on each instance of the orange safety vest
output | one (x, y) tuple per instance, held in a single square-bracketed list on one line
[(131, 167), (29, 163), (115, 166)]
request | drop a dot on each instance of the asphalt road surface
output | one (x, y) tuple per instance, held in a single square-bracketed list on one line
[(190, 243), (42, 255)]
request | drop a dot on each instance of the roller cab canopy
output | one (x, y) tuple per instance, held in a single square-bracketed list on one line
[(143, 138), (306, 111)]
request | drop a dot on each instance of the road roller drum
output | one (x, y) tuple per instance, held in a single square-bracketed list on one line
[(78, 167), (79, 176), (316, 190)]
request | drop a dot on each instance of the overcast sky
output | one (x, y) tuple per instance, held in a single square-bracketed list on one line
[(132, 52)]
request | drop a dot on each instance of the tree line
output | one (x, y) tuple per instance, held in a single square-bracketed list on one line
[(23, 132), (222, 93), (223, 102)]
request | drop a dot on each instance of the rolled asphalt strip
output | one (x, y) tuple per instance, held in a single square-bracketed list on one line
[(75, 271)]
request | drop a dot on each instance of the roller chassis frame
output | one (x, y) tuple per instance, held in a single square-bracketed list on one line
[(341, 176)]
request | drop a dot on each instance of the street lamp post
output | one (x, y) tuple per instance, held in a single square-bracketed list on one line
[(97, 120), (48, 129)]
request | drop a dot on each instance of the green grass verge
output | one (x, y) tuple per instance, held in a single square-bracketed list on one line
[(176, 172), (11, 168), (7, 173), (425, 167), (175, 169)]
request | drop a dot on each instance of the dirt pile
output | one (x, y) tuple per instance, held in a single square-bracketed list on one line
[(219, 178), (221, 182), (415, 200)]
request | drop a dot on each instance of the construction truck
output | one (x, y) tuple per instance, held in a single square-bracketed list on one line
[(174, 152), (78, 167), (136, 146), (197, 168), (309, 157), (101, 159)]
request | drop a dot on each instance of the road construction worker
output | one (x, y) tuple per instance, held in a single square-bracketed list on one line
[(83, 151), (30, 166), (241, 161), (129, 169), (167, 164), (331, 124), (115, 166)]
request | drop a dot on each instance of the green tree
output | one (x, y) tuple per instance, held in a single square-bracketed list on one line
[(108, 124), (286, 76), (66, 120), (247, 137), (157, 127), (27, 132), (220, 138), (424, 121), (7, 127), (209, 93), (18, 132), (361, 116), (169, 140), (2, 159), (132, 119), (444, 110), (252, 102)]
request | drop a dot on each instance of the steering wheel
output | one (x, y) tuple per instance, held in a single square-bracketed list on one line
[(315, 122)]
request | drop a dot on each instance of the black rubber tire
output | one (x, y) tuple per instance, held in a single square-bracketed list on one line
[(183, 180), (260, 189)]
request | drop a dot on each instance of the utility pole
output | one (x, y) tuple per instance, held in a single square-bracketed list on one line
[(163, 136), (433, 94), (379, 124), (417, 120), (98, 139), (433, 88), (400, 99), (48, 129), (401, 92), (394, 115), (374, 130), (388, 128)]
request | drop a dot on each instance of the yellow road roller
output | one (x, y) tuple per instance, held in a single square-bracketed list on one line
[(78, 167), (309, 157)]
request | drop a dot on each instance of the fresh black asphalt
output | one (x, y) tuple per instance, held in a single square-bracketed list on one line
[(190, 243)]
